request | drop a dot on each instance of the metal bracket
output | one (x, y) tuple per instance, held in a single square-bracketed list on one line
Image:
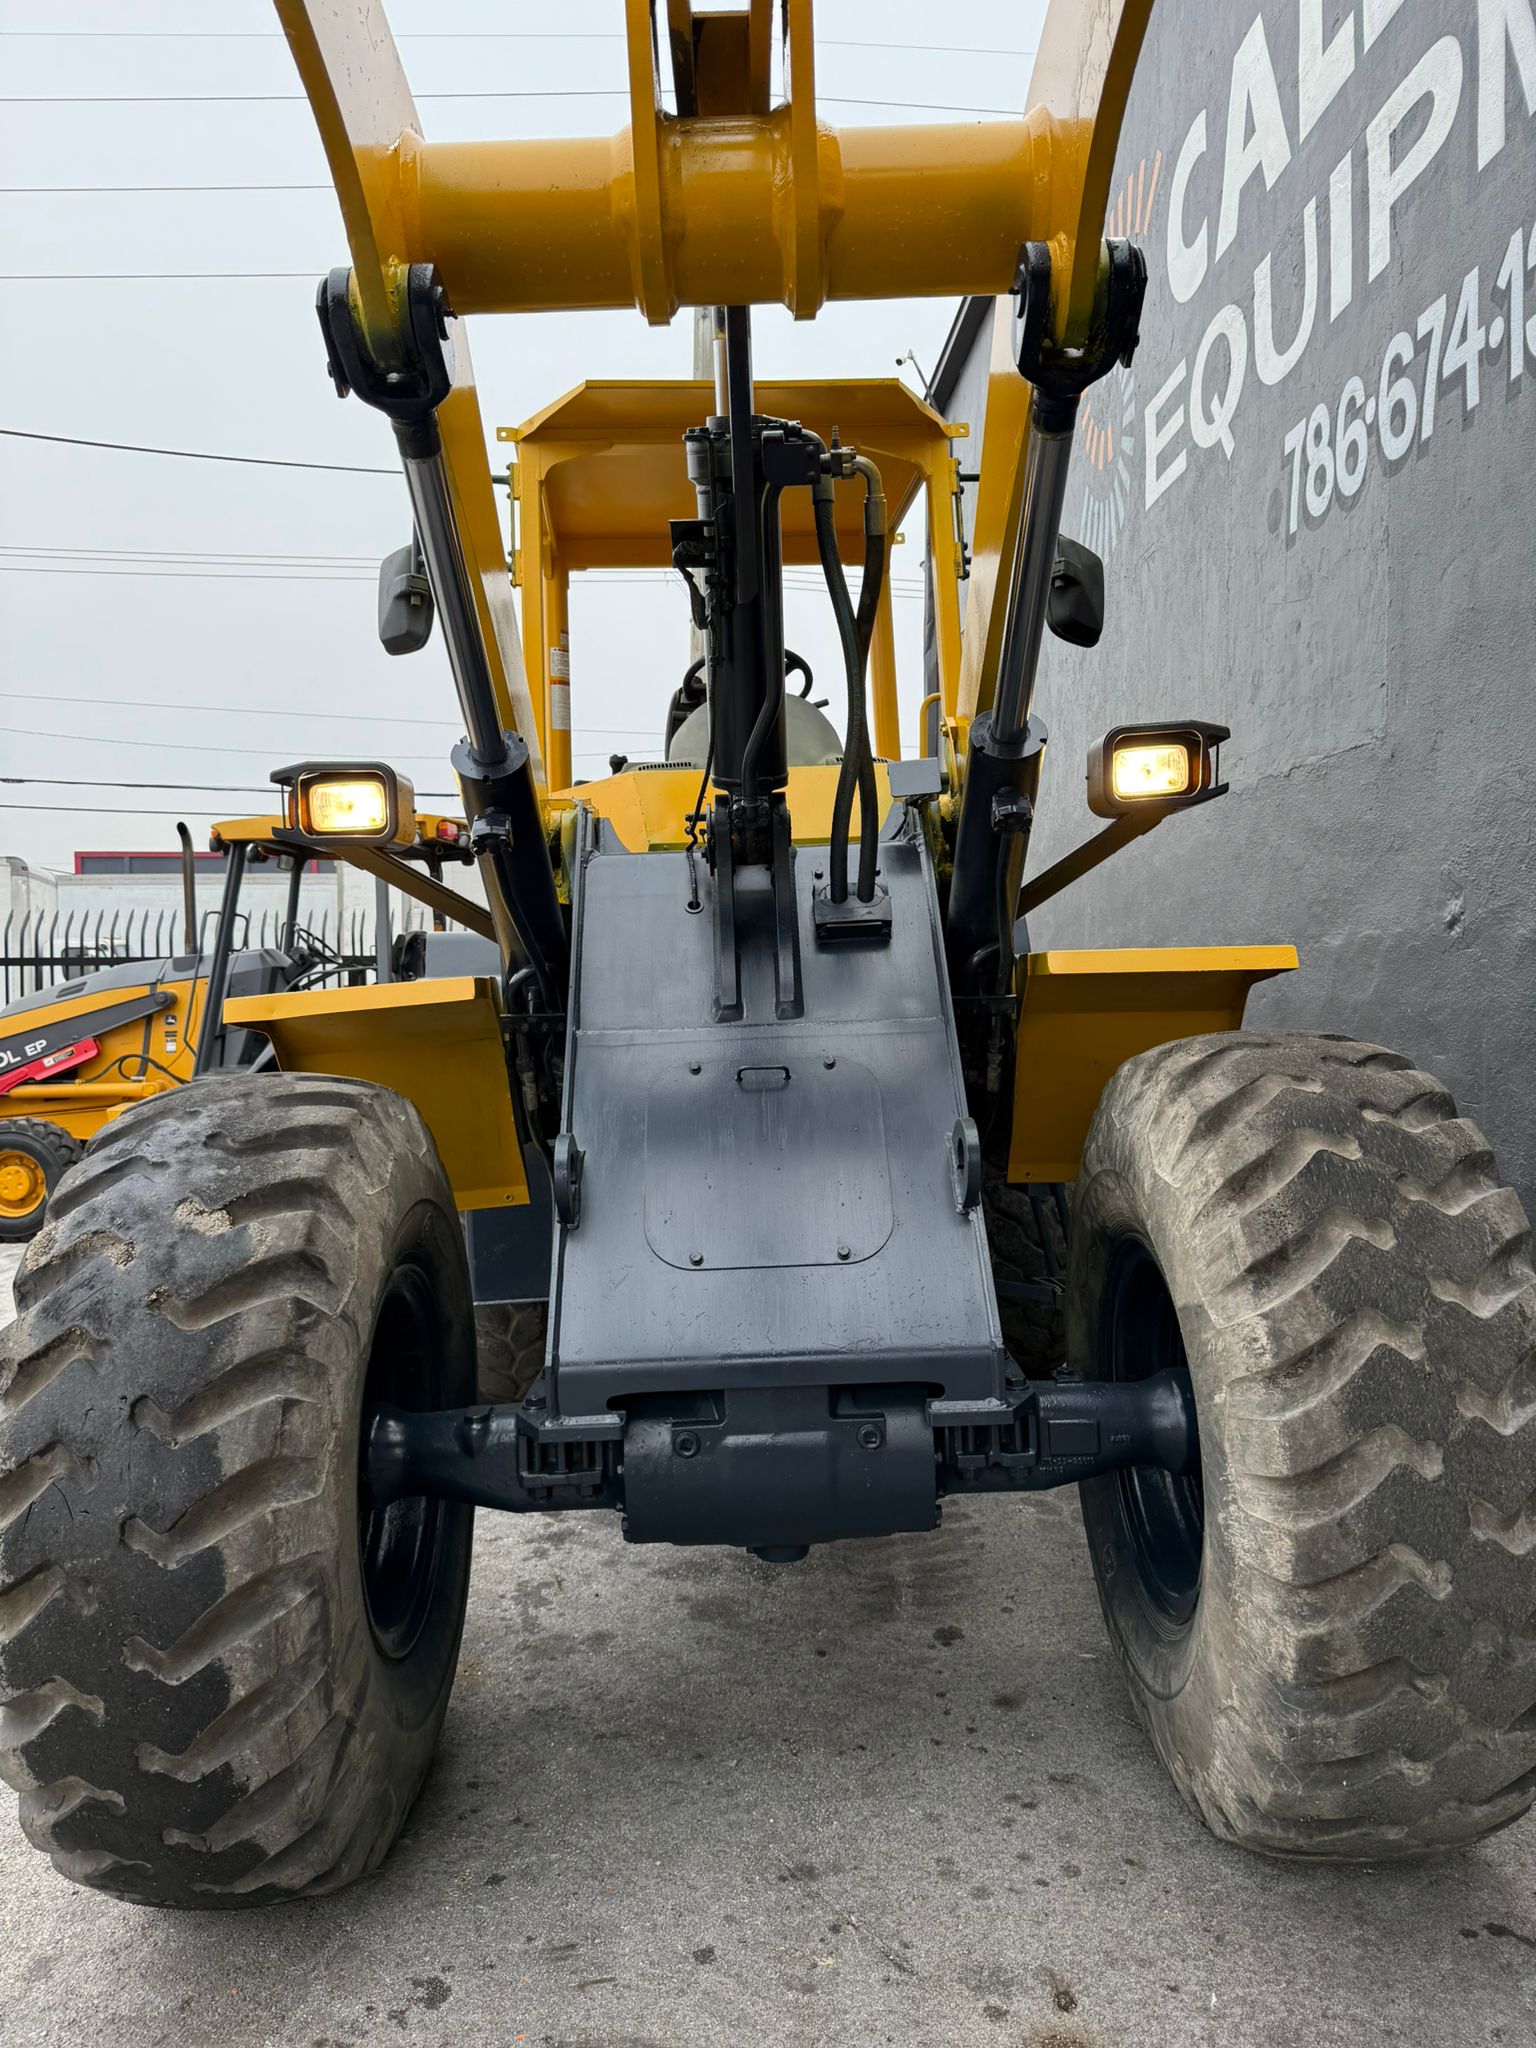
[(410, 391), (789, 999), (851, 922), (965, 1164), (566, 1165), (912, 781), (1059, 376), (728, 1008)]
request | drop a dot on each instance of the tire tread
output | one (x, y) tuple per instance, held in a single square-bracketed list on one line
[(1346, 1248), (180, 1690)]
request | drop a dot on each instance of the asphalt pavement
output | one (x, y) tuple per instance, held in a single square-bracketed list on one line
[(893, 1797)]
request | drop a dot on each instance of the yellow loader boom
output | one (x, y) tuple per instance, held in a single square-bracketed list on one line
[(727, 201)]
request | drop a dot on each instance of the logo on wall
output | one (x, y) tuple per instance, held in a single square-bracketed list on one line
[(1106, 429)]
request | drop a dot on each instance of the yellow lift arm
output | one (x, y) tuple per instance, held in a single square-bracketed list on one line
[(728, 200)]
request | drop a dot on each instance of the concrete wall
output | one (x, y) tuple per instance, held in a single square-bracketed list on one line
[(1338, 205)]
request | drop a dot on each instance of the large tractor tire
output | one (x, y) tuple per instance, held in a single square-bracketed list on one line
[(1029, 1249), (34, 1156), (1327, 1632), (222, 1674)]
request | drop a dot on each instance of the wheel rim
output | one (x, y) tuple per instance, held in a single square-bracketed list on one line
[(1161, 1514), (23, 1185), (402, 1546)]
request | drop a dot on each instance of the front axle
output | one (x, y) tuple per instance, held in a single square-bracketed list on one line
[(775, 1469)]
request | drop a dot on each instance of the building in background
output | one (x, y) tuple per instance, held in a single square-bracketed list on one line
[(1313, 492)]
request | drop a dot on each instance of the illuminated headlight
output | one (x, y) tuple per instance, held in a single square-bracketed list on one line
[(1149, 771), (365, 802), (1154, 767), (355, 804)]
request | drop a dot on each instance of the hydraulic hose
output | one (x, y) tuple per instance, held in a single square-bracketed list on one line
[(871, 589), (772, 598), (1010, 856), (500, 858), (858, 769), (848, 634)]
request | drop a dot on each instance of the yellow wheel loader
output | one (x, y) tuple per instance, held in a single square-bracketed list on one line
[(75, 1055), (766, 1032)]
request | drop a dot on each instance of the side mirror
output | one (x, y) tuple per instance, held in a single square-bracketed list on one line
[(1074, 608), (405, 601)]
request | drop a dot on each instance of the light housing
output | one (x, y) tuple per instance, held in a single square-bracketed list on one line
[(364, 803), (1152, 769)]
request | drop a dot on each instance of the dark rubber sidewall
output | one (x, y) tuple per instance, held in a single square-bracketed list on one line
[(1161, 1651), (415, 1683)]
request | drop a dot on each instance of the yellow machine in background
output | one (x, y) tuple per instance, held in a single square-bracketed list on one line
[(832, 1199), (76, 1055)]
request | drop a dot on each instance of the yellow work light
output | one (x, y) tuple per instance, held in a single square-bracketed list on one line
[(1150, 771), (1154, 767), (365, 802)]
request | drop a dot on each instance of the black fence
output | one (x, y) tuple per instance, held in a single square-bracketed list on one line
[(40, 948)]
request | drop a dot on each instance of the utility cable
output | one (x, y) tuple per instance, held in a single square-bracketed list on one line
[(613, 92), (199, 454), (33, 732), (186, 788), (619, 732), (116, 572), (472, 35), (104, 810)]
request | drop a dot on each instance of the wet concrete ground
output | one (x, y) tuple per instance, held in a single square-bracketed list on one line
[(893, 1797)]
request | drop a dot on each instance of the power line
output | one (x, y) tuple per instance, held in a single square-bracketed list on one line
[(148, 277), (241, 710), (75, 781), (116, 571), (322, 186), (166, 99), (199, 454), (105, 810), (88, 739), (194, 565), (275, 35), (215, 555), (249, 711), (156, 811), (184, 788), (368, 718), (205, 35)]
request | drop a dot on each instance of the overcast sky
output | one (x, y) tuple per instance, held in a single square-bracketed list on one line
[(113, 663)]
